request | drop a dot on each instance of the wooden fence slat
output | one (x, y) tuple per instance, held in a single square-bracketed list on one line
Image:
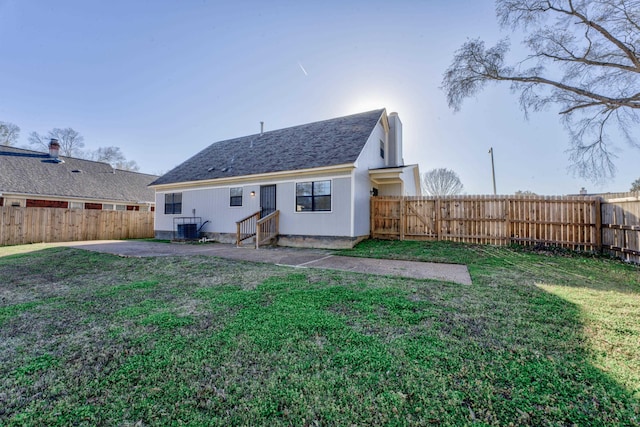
[(34, 225), (576, 222)]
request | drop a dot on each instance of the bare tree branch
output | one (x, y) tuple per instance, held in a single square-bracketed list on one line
[(594, 44), (9, 133), (441, 182), (71, 142)]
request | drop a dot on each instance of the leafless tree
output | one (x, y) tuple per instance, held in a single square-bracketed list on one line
[(584, 58), (441, 182), (71, 142), (114, 157), (9, 133), (635, 185)]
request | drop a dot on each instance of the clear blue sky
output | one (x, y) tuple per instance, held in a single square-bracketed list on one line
[(163, 79)]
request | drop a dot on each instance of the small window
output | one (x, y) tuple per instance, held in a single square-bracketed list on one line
[(382, 149), (108, 207), (235, 196), (121, 207), (313, 196), (173, 203), (76, 205)]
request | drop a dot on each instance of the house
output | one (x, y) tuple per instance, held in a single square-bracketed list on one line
[(35, 179), (315, 180)]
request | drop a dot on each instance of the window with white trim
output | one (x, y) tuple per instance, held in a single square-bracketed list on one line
[(235, 196), (313, 196), (173, 203)]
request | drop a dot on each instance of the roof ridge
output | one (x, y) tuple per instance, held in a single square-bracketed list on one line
[(349, 116)]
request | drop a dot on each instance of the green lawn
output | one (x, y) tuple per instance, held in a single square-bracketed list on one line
[(538, 339)]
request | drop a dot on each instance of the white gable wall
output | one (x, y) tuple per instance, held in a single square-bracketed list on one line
[(411, 181), (369, 159)]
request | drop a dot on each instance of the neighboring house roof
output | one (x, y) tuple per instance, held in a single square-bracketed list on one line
[(36, 173), (326, 143)]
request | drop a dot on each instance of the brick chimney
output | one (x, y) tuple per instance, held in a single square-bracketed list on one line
[(54, 148)]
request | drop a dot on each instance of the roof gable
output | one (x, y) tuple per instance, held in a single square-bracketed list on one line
[(320, 144), (36, 173)]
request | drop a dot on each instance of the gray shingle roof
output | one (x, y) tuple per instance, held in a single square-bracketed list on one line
[(325, 143), (32, 172)]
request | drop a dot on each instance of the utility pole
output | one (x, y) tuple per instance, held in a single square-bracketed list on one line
[(493, 171)]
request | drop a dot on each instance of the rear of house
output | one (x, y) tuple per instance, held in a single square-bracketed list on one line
[(318, 177)]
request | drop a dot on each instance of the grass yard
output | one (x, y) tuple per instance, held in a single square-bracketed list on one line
[(539, 339)]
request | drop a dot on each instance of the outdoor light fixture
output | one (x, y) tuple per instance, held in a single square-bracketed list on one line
[(253, 194)]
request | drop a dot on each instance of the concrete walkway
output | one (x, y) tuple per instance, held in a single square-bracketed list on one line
[(293, 257)]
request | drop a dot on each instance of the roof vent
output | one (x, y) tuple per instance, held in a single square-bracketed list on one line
[(76, 171), (211, 169), (225, 169), (261, 128)]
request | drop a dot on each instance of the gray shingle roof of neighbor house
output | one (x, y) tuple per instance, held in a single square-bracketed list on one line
[(313, 145), (32, 172)]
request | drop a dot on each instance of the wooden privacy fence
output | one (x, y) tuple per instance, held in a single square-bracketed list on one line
[(621, 226), (33, 225), (576, 222)]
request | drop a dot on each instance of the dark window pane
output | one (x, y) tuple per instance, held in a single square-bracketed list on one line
[(322, 203), (304, 203), (304, 189), (322, 188)]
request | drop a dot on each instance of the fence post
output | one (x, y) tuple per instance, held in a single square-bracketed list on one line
[(402, 217), (371, 217), (508, 234), (598, 208), (438, 219)]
